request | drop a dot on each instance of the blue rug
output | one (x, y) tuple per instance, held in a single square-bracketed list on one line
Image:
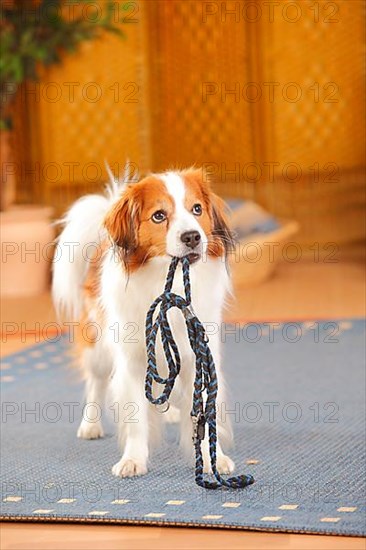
[(298, 410)]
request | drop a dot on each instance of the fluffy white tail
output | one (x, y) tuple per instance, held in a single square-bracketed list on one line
[(83, 231)]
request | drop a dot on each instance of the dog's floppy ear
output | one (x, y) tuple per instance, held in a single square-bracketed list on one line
[(122, 223), (221, 232)]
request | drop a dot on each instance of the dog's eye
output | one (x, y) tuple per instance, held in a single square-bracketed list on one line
[(158, 216), (197, 209)]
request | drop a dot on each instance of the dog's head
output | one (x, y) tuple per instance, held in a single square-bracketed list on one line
[(171, 214)]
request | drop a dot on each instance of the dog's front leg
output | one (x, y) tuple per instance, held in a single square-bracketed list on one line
[(133, 420), (97, 365)]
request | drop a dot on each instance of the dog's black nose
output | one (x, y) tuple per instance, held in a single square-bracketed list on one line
[(190, 238)]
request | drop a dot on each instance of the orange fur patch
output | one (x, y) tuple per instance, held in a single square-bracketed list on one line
[(130, 226)]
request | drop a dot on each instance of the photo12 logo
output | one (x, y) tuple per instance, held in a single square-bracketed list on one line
[(271, 92), (89, 11), (270, 11), (72, 92)]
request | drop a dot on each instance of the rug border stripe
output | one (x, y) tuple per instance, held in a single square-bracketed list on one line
[(151, 523)]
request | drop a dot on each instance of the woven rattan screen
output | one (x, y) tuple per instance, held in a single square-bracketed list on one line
[(268, 95), (316, 120), (196, 63), (90, 109)]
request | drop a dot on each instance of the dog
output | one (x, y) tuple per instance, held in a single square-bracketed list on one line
[(111, 262)]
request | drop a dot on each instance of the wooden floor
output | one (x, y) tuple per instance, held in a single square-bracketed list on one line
[(304, 290)]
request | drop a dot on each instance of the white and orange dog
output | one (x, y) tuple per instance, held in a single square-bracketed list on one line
[(134, 231)]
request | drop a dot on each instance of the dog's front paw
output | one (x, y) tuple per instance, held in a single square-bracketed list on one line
[(224, 465), (90, 430), (129, 467)]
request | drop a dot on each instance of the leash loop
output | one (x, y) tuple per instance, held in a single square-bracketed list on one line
[(203, 412)]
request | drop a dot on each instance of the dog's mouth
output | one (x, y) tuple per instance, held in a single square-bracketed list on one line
[(193, 257)]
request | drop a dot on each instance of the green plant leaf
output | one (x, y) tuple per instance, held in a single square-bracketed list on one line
[(29, 38)]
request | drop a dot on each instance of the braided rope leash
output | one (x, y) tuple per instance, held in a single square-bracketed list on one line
[(205, 379)]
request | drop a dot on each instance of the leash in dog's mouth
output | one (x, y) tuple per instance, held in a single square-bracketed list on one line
[(192, 257), (203, 413)]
